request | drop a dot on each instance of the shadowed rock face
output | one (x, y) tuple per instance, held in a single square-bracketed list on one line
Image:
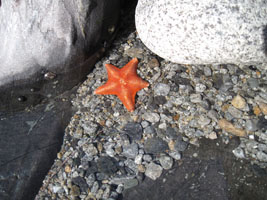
[(46, 48), (49, 46)]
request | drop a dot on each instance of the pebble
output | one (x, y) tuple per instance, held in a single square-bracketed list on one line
[(130, 183), (263, 107), (180, 145), (238, 102), (229, 127), (67, 169), (213, 115), (153, 171), (138, 159), (160, 100), (166, 162), (161, 89), (196, 98), (207, 71), (135, 52), (203, 121), (147, 158), (212, 135), (57, 189), (79, 181), (253, 83), (151, 117), (150, 130), (144, 123), (175, 155), (95, 187), (90, 128), (235, 112), (153, 63), (131, 150), (251, 125), (141, 168), (107, 165), (133, 130), (75, 191), (155, 145), (239, 153), (200, 87)]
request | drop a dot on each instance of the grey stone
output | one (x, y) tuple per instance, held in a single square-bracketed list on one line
[(133, 130), (101, 176), (235, 112), (128, 182), (131, 165), (107, 165), (151, 117), (147, 158), (135, 52), (95, 188), (196, 98), (175, 155), (79, 181), (138, 159), (130, 151), (251, 125), (155, 145), (171, 132), (160, 100), (238, 152), (262, 156), (166, 162), (213, 115), (200, 87), (153, 171), (106, 193), (57, 189), (204, 32), (180, 145), (253, 83), (90, 179), (161, 89), (207, 71), (75, 191), (119, 189), (90, 128), (149, 130), (144, 124), (203, 121), (90, 150)]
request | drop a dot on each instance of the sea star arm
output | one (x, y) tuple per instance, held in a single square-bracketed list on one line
[(109, 87), (130, 69), (127, 97)]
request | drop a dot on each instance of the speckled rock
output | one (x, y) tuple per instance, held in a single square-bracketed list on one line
[(153, 171), (198, 32)]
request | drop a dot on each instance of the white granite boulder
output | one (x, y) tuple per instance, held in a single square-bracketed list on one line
[(204, 31)]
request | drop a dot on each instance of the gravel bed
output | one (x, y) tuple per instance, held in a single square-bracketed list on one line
[(107, 149)]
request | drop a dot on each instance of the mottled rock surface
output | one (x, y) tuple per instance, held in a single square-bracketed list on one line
[(204, 32)]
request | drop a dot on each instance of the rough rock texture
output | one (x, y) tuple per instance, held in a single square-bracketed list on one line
[(204, 32), (49, 46), (29, 142)]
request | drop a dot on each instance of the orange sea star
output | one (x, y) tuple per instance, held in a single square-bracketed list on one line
[(124, 83)]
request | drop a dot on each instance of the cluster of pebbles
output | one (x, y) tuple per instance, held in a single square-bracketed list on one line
[(107, 149)]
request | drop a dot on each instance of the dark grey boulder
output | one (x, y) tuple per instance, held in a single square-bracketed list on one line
[(47, 47)]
